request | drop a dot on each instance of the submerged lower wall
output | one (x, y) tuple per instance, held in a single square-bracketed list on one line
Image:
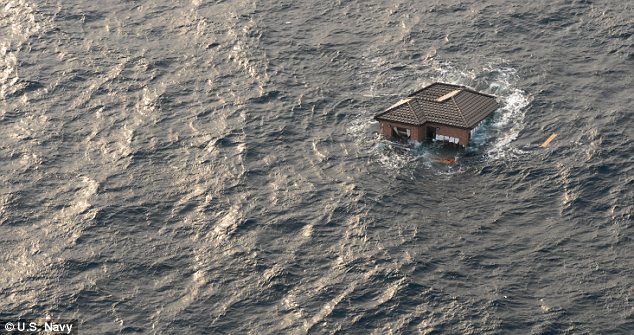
[(419, 133)]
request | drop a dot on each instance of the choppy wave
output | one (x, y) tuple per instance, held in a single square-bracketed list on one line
[(19, 21), (214, 167)]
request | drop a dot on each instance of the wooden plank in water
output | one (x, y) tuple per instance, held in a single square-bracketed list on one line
[(548, 140), (446, 161)]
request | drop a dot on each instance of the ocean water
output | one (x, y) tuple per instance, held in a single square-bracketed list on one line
[(213, 167)]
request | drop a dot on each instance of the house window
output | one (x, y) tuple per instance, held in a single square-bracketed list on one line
[(401, 133)]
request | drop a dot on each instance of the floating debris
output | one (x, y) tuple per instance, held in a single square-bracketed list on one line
[(548, 140), (447, 161)]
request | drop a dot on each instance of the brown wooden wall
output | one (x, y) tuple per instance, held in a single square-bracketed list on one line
[(462, 134), (419, 133)]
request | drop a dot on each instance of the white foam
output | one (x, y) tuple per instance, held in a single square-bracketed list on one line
[(391, 158), (508, 124), (495, 138)]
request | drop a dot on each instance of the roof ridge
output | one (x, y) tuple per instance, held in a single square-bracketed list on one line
[(449, 95), (411, 109), (395, 106), (477, 92), (460, 109), (413, 94)]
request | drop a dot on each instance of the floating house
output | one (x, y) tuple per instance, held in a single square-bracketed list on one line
[(438, 112)]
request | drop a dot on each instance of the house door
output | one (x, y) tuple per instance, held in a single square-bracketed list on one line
[(431, 133)]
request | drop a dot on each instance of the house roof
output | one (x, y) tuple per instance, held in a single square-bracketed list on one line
[(448, 104)]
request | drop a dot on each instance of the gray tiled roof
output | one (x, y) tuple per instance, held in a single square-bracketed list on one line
[(464, 109)]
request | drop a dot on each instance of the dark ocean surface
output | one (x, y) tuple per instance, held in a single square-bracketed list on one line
[(196, 167)]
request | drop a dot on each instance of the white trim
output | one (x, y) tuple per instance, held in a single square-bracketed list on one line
[(400, 103), (449, 139), (448, 95)]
